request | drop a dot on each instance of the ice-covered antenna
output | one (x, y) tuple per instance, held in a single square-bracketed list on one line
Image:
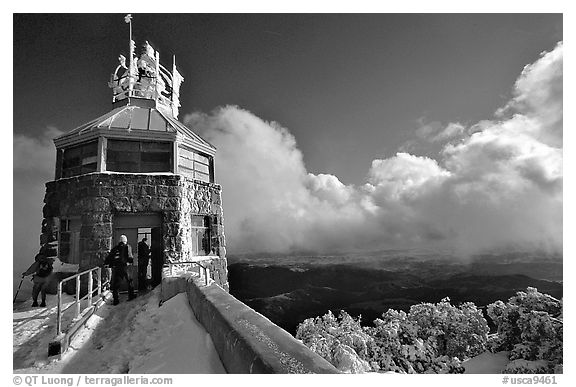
[(128, 19), (143, 77)]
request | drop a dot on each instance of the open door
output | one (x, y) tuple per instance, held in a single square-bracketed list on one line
[(136, 227), (156, 255)]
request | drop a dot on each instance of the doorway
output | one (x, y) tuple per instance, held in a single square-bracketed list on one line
[(136, 227)]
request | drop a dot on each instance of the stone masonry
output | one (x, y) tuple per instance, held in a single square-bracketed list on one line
[(97, 197)]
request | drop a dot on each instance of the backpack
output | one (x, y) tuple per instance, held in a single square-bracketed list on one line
[(44, 267)]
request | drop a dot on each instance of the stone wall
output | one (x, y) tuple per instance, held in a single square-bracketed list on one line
[(97, 197), (246, 341)]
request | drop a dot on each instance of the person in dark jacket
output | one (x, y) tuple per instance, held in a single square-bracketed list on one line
[(42, 269), (118, 259), (157, 264), (143, 259)]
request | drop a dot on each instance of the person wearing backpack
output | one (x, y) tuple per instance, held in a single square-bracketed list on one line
[(118, 259), (41, 268)]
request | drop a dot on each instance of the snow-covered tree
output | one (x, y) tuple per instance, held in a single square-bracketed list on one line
[(436, 338), (530, 327), (431, 338), (340, 340)]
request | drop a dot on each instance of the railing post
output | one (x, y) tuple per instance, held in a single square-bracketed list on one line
[(90, 287), (77, 296), (99, 271), (59, 309)]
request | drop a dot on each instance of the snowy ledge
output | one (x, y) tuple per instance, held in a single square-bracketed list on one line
[(246, 341)]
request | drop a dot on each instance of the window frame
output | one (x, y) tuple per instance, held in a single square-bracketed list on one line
[(142, 157), (206, 238), (66, 238), (192, 162), (85, 162)]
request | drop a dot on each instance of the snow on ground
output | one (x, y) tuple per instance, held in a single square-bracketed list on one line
[(487, 363), (136, 337), (25, 291), (34, 328)]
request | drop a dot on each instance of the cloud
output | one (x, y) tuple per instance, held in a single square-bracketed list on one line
[(429, 130), (451, 131), (436, 132), (538, 95), (496, 184)]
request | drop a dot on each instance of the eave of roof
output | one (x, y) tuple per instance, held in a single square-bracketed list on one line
[(154, 125)]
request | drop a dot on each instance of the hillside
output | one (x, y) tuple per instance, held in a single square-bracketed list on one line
[(289, 292)]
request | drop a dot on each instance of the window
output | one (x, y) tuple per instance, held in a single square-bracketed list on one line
[(145, 232), (195, 165), (69, 241), (138, 156), (80, 159), (200, 235)]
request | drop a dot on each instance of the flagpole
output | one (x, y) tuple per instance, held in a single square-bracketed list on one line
[(128, 19)]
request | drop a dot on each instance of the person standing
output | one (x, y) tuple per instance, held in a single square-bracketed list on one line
[(143, 259), (157, 264), (118, 259), (42, 269)]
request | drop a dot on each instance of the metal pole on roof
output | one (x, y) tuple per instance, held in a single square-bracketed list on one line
[(128, 19)]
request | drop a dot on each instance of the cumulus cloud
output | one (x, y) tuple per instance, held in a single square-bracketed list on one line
[(496, 184), (451, 131), (538, 95), (436, 132)]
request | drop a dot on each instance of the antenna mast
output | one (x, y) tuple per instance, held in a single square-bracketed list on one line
[(128, 19)]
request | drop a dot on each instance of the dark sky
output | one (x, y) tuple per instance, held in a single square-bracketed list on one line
[(350, 88)]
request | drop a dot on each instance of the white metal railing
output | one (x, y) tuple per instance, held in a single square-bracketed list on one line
[(78, 310), (207, 274)]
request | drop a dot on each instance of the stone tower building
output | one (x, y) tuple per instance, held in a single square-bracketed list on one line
[(137, 171)]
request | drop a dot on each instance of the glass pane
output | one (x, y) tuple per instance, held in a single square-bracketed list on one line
[(202, 177), (64, 245), (112, 156), (201, 168), (72, 152), (186, 172), (201, 158), (70, 162), (186, 163), (155, 167), (121, 145), (139, 119), (194, 240), (156, 157), (89, 168), (156, 146), (127, 157), (157, 122), (185, 153), (90, 149), (127, 167), (112, 166), (89, 160), (197, 221), (71, 171), (121, 120)]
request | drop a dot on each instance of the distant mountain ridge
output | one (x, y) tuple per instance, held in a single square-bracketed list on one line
[(289, 291)]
